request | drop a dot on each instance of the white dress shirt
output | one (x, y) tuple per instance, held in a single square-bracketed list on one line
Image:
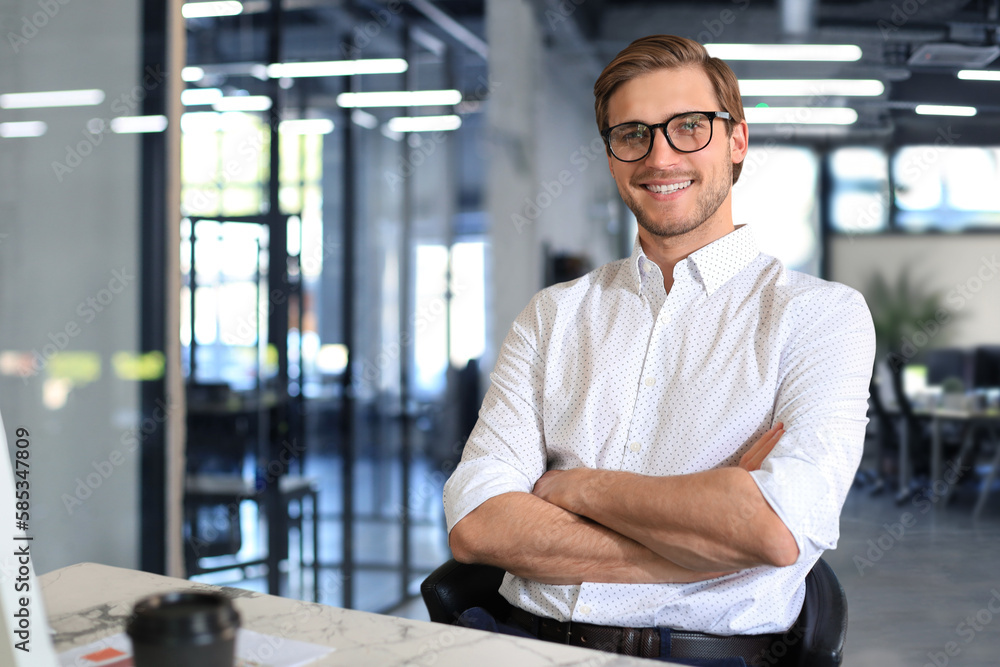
[(611, 372)]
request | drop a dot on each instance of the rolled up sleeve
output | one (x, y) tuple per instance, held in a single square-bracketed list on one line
[(506, 451), (822, 399)]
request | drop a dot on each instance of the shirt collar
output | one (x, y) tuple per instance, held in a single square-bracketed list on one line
[(717, 262), (723, 258)]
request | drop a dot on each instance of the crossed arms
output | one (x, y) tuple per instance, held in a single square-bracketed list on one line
[(607, 526)]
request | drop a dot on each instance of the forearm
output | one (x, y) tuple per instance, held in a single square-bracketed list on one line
[(534, 539), (713, 520)]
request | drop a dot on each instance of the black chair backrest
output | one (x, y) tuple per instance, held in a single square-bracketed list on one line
[(823, 619), (815, 640), (455, 587)]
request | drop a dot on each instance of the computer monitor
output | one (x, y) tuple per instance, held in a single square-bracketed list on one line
[(947, 363), (25, 640), (986, 367)]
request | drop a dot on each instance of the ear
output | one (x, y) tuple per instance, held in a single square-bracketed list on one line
[(739, 142)]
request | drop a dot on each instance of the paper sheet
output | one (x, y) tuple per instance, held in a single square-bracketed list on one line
[(253, 649)]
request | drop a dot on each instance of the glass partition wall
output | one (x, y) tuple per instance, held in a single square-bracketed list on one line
[(339, 328), (84, 166)]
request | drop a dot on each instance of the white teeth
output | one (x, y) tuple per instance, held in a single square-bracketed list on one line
[(663, 189)]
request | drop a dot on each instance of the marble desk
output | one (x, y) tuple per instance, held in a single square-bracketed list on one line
[(88, 602)]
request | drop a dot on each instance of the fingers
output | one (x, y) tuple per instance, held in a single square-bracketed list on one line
[(753, 458)]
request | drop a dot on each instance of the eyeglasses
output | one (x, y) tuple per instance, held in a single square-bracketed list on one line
[(687, 132)]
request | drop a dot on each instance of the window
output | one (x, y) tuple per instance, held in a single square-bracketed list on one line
[(859, 197), (947, 188), (776, 194)]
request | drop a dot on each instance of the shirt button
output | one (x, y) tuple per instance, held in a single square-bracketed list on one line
[(650, 381), (585, 610), (635, 446)]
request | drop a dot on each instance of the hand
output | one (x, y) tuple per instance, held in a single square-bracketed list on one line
[(758, 452), (555, 486)]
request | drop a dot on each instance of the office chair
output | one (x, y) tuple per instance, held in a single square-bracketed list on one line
[(815, 640)]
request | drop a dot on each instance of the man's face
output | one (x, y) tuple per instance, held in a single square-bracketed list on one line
[(708, 173)]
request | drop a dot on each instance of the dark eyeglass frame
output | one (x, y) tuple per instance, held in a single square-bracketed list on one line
[(712, 115)]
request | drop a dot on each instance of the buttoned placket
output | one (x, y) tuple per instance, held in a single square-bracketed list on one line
[(664, 308)]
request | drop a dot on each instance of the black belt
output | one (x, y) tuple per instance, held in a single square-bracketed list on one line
[(643, 642)]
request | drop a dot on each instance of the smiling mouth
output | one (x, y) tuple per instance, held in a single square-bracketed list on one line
[(666, 189)]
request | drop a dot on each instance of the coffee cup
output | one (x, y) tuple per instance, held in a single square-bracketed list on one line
[(189, 629)]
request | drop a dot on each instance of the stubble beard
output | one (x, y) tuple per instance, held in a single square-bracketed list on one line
[(711, 199)]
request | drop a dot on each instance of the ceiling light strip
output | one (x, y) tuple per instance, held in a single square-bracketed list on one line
[(400, 98), (28, 128), (424, 123), (55, 98), (787, 52), (979, 75), (801, 115), (337, 68), (201, 10), (811, 87), (944, 110)]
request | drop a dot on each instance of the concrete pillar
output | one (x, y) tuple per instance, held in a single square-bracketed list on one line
[(514, 266)]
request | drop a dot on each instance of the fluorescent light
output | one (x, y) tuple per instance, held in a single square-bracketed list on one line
[(200, 10), (801, 115), (400, 98), (811, 87), (818, 52), (192, 74), (55, 98), (201, 121), (944, 110), (199, 96), (979, 75), (29, 128), (338, 68), (424, 123), (243, 103), (136, 124), (364, 119), (306, 126)]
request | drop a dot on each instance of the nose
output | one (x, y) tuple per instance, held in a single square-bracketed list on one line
[(662, 153)]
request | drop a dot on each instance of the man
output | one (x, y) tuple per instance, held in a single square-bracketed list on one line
[(629, 469)]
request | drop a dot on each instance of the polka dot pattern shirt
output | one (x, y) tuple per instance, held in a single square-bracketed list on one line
[(611, 372)]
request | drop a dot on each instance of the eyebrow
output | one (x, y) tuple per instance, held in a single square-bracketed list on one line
[(665, 119)]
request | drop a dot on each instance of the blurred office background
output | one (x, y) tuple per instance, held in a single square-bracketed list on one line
[(256, 261)]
